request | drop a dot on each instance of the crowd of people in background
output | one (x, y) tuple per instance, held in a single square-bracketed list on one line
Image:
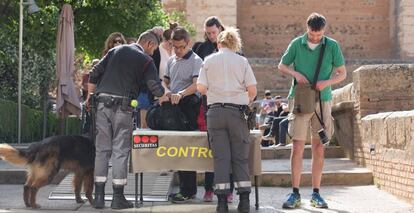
[(272, 120)]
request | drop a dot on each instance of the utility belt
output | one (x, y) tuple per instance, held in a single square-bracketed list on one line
[(110, 100), (227, 105), (247, 113)]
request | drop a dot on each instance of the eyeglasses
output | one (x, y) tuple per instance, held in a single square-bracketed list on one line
[(180, 47)]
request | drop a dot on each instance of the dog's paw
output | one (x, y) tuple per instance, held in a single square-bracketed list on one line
[(79, 201), (36, 206), (92, 202)]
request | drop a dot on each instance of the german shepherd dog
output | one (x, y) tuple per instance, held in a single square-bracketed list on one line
[(44, 160)]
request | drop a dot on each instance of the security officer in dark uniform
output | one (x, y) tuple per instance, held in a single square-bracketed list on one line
[(116, 80)]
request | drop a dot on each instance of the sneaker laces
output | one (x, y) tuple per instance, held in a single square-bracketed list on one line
[(292, 197), (318, 198)]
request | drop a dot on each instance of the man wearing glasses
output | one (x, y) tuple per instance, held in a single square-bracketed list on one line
[(180, 85)]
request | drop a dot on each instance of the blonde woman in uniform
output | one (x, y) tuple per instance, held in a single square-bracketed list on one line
[(229, 83)]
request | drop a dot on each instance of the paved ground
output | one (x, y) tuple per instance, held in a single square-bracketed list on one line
[(330, 165), (341, 199)]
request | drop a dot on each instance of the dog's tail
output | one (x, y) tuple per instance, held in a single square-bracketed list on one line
[(12, 155)]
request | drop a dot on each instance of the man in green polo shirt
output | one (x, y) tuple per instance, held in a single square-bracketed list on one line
[(303, 53)]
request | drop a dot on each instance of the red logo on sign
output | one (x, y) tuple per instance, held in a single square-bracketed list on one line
[(153, 139), (137, 139), (145, 141)]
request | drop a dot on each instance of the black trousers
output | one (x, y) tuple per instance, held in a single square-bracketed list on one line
[(275, 127), (190, 106), (188, 182)]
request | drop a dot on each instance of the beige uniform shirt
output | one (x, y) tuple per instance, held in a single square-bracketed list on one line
[(226, 76)]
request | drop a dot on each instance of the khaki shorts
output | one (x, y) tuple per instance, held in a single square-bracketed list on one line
[(300, 124)]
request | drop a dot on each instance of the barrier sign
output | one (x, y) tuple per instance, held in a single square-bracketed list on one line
[(154, 150)]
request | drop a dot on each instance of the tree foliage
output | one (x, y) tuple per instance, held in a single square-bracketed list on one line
[(94, 21)]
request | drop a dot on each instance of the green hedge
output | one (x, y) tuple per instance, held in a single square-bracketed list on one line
[(32, 123)]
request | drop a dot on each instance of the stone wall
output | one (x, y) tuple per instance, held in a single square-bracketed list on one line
[(361, 27), (343, 101), (379, 29), (378, 94), (369, 32), (174, 5), (405, 11), (388, 150), (380, 88), (197, 11)]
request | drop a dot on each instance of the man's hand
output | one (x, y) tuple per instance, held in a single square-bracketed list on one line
[(88, 103), (300, 78), (164, 98), (320, 85), (175, 98)]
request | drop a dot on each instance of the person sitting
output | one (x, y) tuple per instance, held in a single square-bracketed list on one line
[(274, 114), (283, 131), (274, 127), (265, 106)]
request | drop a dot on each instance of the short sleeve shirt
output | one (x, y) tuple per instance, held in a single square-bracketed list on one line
[(226, 76), (181, 71), (305, 60)]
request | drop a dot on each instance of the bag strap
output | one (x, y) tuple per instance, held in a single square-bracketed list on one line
[(318, 67), (315, 80), (320, 119)]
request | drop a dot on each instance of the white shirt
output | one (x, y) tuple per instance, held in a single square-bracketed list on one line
[(226, 76), (312, 45), (163, 63)]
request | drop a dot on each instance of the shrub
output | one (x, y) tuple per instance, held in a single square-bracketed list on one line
[(32, 123)]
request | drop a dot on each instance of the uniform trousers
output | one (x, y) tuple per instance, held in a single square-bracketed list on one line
[(113, 138), (229, 138)]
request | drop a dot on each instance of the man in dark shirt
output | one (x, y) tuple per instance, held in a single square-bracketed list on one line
[(212, 27), (115, 80)]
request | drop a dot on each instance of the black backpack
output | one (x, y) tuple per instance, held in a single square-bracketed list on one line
[(167, 117)]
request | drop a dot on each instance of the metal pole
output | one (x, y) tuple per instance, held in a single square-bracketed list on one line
[(141, 188), (136, 190), (256, 190), (19, 98)]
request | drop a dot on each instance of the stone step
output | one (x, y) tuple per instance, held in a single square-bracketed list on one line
[(337, 171), (284, 152), (14, 174), (11, 174)]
